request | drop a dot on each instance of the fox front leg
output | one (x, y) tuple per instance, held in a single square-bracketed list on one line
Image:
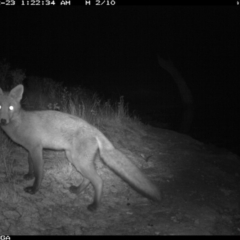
[(36, 169), (30, 174)]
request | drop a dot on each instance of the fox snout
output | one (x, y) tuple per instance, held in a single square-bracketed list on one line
[(3, 121)]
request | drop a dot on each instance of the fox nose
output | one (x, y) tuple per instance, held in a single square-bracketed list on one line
[(3, 121)]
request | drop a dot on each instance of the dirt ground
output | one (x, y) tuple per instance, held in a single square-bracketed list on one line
[(199, 184)]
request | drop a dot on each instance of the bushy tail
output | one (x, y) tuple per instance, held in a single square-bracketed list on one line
[(127, 170)]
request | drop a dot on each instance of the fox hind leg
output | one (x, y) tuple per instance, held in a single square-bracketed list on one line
[(81, 187), (83, 160), (89, 172)]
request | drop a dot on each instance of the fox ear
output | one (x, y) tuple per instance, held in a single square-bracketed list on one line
[(17, 92)]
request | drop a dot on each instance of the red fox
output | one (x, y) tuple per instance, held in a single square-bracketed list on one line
[(83, 144)]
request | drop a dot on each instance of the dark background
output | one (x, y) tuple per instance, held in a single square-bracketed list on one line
[(113, 51)]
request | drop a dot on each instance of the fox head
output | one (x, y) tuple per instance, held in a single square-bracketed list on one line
[(10, 104)]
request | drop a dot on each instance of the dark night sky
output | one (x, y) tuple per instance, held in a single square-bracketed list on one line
[(113, 51)]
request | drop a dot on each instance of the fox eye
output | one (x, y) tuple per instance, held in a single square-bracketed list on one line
[(11, 108)]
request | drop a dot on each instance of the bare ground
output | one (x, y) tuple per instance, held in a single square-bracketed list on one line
[(200, 186)]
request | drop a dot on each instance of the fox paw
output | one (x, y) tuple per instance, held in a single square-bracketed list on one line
[(74, 189), (28, 176), (92, 207), (31, 190)]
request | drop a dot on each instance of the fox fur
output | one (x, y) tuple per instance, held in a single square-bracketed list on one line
[(82, 142)]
